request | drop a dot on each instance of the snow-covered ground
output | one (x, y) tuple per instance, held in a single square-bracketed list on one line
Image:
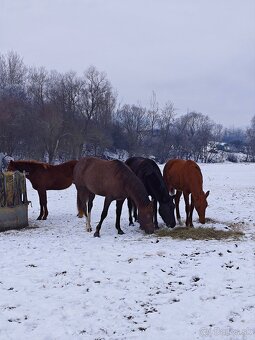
[(59, 282)]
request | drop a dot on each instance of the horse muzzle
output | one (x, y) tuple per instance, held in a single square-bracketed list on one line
[(202, 220), (149, 229), (171, 225)]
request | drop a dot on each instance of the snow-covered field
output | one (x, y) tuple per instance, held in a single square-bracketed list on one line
[(59, 282)]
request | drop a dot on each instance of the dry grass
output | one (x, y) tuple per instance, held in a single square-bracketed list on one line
[(199, 234)]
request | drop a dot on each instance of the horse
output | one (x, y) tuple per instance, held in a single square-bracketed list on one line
[(43, 177), (115, 181), (149, 173), (186, 177)]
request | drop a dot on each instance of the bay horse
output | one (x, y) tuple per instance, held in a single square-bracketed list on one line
[(115, 181), (43, 177), (186, 177), (149, 173)]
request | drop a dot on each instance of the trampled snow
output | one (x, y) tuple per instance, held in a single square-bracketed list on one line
[(59, 282)]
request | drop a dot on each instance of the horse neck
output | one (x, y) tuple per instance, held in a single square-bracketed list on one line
[(157, 187), (197, 184), (23, 166), (137, 192)]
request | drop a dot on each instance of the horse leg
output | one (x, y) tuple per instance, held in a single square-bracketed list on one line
[(187, 208), (85, 204), (155, 213), (177, 203), (119, 205), (79, 206), (43, 204), (191, 211), (107, 203), (41, 207), (45, 207), (90, 205), (135, 212), (130, 208)]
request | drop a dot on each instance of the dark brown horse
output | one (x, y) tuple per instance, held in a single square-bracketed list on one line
[(186, 178), (115, 181), (149, 173), (44, 176)]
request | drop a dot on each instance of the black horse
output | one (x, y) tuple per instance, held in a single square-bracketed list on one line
[(149, 173)]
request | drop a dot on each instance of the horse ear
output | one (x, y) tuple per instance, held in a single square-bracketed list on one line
[(207, 194)]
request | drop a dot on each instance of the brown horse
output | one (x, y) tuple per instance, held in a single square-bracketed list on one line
[(115, 181), (186, 178), (44, 176)]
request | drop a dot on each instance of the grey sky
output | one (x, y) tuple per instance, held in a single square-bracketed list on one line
[(199, 54)]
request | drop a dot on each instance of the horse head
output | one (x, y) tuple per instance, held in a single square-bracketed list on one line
[(11, 166), (145, 218), (201, 204), (18, 166), (166, 211)]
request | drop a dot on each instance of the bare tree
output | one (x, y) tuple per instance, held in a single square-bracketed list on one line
[(134, 121), (153, 113), (97, 103), (166, 125), (251, 140), (37, 87), (193, 134), (12, 70), (13, 100), (70, 89), (98, 99)]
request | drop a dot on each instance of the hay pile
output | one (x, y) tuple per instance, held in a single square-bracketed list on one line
[(199, 233)]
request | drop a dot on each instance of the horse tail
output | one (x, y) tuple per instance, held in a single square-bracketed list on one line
[(80, 208)]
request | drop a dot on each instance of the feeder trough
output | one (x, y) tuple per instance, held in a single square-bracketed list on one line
[(13, 201)]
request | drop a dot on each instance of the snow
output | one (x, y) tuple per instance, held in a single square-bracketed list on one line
[(59, 282)]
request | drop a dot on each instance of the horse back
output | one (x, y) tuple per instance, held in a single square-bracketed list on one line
[(101, 177), (51, 177), (149, 173), (182, 175)]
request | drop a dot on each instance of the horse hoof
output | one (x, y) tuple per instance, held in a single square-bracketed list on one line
[(96, 234), (39, 218), (131, 224), (121, 232), (89, 230)]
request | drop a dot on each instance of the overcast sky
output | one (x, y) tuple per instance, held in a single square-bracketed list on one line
[(199, 54)]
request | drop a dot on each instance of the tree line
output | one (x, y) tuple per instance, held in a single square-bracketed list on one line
[(48, 115)]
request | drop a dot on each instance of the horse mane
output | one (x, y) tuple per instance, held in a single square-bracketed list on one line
[(199, 170), (150, 173), (32, 164), (195, 166), (133, 184)]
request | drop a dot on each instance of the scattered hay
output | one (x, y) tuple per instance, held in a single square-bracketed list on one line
[(9, 188), (199, 234), (211, 220)]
